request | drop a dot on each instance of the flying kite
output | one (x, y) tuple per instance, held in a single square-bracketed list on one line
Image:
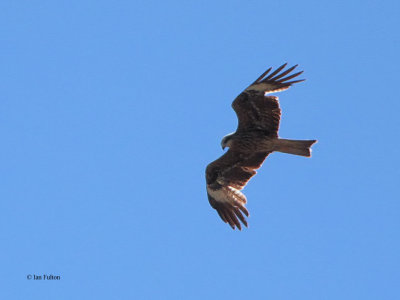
[(255, 138)]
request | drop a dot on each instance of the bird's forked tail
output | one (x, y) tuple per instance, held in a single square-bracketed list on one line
[(296, 147)]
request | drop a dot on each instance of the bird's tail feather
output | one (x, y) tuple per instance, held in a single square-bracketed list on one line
[(296, 147)]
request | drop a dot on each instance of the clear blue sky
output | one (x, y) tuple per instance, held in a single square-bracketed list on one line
[(111, 111)]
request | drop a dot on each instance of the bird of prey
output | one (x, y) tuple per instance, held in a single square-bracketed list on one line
[(255, 138)]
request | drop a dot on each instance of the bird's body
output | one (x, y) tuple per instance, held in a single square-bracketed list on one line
[(255, 138), (250, 142)]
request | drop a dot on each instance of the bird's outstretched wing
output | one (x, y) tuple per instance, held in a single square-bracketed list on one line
[(254, 110), (225, 177)]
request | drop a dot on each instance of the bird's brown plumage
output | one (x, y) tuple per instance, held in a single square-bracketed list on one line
[(257, 112), (228, 175), (258, 124)]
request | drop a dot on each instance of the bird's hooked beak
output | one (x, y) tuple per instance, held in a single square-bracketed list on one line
[(223, 147)]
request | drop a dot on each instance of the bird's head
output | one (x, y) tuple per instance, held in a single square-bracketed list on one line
[(226, 141)]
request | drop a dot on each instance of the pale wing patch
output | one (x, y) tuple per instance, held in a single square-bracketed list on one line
[(219, 195), (266, 88), (228, 194)]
